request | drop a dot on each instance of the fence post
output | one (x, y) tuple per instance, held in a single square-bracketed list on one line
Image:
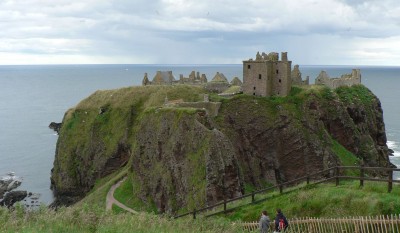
[(194, 213), (224, 205), (361, 175), (252, 197), (337, 175), (390, 181)]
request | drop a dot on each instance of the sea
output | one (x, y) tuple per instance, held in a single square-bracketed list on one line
[(32, 96)]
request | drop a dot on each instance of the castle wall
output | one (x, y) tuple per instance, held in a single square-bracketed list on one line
[(345, 80), (256, 78), (297, 79), (282, 81), (267, 75)]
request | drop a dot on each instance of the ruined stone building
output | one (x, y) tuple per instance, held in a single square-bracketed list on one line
[(218, 84), (194, 78), (297, 79), (267, 75), (236, 82), (161, 78), (345, 80), (167, 78)]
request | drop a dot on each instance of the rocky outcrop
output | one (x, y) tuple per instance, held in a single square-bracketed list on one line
[(182, 157), (9, 196), (12, 197), (177, 160), (55, 126)]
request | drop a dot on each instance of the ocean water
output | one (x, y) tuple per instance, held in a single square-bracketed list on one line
[(33, 96)]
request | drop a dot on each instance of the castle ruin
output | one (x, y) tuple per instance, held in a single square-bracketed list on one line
[(345, 80), (297, 79), (267, 75), (167, 78)]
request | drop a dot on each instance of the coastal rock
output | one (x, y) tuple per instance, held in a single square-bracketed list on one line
[(8, 183), (176, 164), (180, 157), (55, 126), (12, 197)]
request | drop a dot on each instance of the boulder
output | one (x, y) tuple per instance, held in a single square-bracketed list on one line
[(11, 197)]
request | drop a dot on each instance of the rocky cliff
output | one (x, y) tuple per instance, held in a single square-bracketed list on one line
[(182, 157)]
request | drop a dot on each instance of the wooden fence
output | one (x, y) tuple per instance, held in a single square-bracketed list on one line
[(378, 224), (333, 173)]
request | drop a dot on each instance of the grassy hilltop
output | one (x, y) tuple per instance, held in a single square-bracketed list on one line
[(180, 158)]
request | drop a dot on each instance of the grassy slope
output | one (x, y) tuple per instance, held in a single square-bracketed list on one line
[(87, 219), (326, 200)]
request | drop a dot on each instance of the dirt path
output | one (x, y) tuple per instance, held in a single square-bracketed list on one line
[(111, 200)]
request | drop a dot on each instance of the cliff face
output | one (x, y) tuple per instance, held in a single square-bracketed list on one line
[(185, 158)]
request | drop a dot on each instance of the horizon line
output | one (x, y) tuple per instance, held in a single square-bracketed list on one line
[(176, 64)]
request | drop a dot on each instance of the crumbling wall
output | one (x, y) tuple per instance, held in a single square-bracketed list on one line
[(345, 80)]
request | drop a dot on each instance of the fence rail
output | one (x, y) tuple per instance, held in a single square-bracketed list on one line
[(369, 224), (280, 186)]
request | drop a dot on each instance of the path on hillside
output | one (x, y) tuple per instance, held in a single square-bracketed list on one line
[(111, 200)]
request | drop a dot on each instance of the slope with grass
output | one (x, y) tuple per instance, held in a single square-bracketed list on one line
[(178, 158), (325, 200)]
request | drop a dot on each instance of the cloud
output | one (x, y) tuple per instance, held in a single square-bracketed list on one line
[(189, 31)]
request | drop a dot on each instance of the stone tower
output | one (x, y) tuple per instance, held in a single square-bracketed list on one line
[(267, 75)]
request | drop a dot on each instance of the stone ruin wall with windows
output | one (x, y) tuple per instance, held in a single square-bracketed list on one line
[(266, 75), (269, 76)]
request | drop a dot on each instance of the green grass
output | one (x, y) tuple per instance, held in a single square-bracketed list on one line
[(97, 197), (117, 210), (326, 200), (233, 89), (346, 158), (127, 194), (354, 94), (88, 219)]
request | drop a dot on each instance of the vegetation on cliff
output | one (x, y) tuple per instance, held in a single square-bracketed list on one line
[(183, 158)]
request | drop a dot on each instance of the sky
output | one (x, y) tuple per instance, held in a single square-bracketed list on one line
[(313, 32)]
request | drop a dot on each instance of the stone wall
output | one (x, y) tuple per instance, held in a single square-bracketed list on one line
[(297, 79), (267, 75), (256, 80), (345, 80)]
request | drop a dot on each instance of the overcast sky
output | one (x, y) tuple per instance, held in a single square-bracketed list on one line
[(313, 32)]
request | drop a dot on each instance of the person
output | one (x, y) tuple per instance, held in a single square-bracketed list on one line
[(264, 222), (281, 222)]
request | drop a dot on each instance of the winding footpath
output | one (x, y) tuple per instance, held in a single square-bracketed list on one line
[(112, 201)]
